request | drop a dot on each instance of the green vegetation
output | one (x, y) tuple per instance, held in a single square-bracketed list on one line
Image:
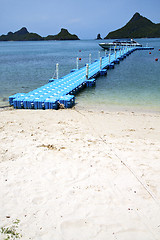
[(62, 35), (21, 35), (10, 233), (24, 35), (137, 27)]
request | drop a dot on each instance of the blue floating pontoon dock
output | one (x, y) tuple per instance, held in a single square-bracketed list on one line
[(63, 90)]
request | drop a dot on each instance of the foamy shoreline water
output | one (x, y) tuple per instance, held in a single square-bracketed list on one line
[(75, 174)]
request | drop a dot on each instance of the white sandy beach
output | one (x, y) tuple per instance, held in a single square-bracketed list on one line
[(80, 175)]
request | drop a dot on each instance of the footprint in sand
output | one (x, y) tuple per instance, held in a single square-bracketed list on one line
[(38, 200), (50, 175), (80, 229), (40, 196)]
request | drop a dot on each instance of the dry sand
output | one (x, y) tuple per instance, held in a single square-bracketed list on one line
[(80, 175)]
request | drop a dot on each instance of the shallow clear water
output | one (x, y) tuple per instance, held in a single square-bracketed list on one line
[(133, 84)]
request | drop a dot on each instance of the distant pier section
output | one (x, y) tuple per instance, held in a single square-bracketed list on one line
[(60, 92)]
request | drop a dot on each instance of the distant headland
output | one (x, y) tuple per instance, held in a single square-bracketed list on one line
[(24, 35), (137, 27)]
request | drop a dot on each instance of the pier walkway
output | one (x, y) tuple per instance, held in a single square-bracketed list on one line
[(63, 90)]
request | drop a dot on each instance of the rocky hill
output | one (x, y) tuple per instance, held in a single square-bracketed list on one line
[(62, 35), (137, 27), (24, 35), (98, 36), (21, 35)]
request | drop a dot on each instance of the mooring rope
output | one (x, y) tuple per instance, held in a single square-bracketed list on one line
[(122, 161)]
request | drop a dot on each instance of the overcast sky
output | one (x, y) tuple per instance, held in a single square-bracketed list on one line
[(85, 18)]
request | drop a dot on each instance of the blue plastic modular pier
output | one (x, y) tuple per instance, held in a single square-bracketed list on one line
[(63, 90)]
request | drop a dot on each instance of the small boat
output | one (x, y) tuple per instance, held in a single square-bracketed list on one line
[(119, 44)]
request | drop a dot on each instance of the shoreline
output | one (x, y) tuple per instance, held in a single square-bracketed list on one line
[(80, 174), (119, 108), (99, 108)]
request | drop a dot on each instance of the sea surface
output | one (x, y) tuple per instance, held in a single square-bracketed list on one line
[(134, 84)]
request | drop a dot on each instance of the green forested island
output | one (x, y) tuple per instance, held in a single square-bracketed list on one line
[(24, 35), (137, 27), (62, 35)]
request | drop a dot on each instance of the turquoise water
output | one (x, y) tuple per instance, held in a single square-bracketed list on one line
[(133, 84)]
